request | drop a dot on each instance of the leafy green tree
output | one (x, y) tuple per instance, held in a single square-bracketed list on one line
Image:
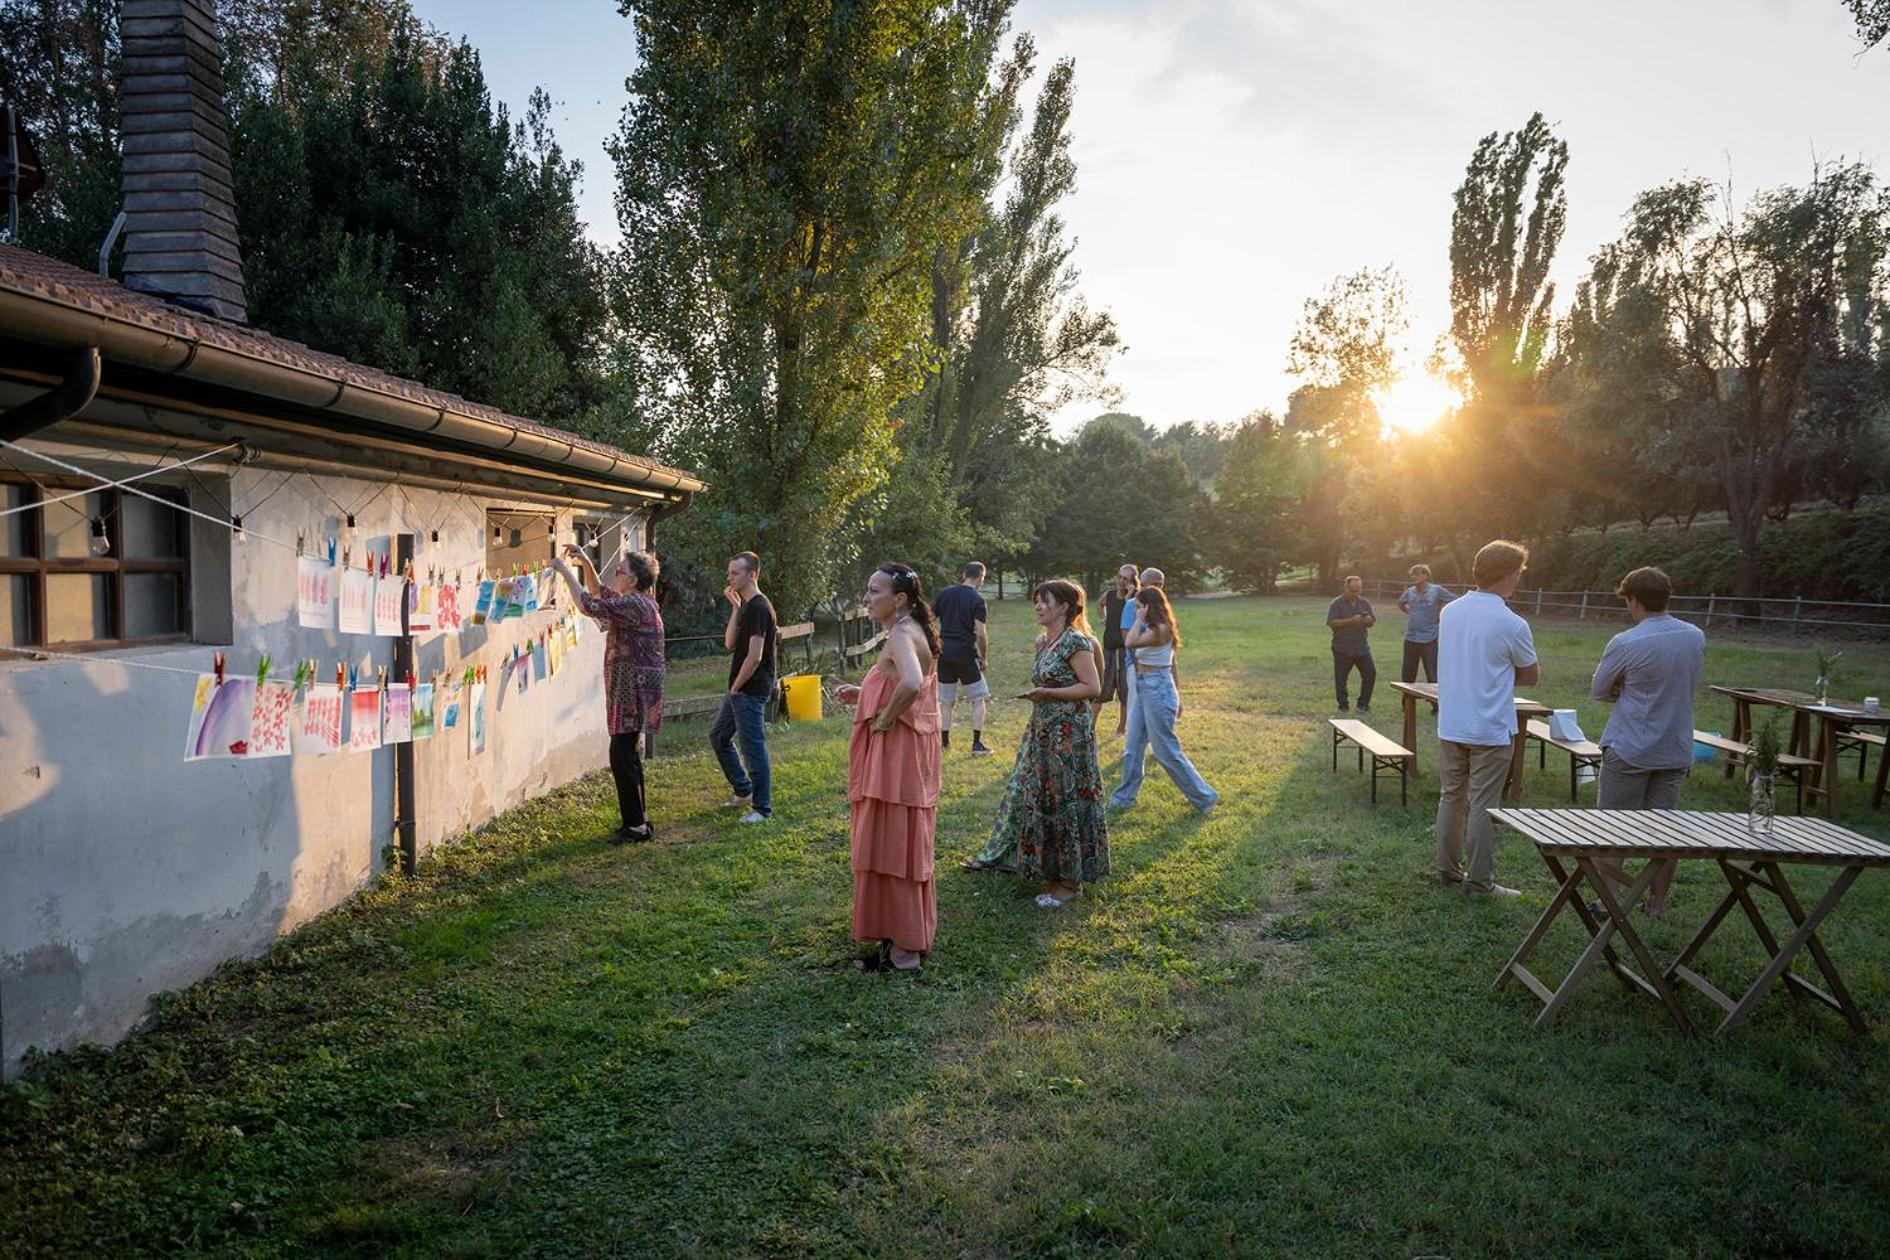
[(1345, 351), (1873, 20), (1726, 331), (1508, 219), (788, 176), (58, 67), (1262, 479), (1013, 338), (1119, 503)]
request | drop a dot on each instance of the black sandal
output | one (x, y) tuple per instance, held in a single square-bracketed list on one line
[(634, 835)]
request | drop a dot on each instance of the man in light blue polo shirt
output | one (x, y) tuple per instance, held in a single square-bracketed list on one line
[(1420, 604), (1649, 673)]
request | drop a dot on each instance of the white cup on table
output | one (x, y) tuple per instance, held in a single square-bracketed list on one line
[(1872, 705)]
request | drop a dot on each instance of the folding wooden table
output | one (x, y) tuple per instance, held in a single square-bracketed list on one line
[(1833, 720), (1412, 692), (1664, 838)]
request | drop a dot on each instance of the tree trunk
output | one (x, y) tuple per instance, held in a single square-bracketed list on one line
[(1745, 525)]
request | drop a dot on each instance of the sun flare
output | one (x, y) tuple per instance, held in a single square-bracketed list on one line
[(1416, 401)]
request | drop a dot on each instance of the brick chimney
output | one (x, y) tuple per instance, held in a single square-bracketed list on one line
[(180, 215)]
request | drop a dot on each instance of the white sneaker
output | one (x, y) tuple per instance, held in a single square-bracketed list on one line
[(753, 816), (738, 802)]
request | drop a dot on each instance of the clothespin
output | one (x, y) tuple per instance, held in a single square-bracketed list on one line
[(217, 661), (347, 556), (354, 676), (380, 678), (341, 676), (301, 674), (410, 680), (301, 537), (262, 671), (331, 553)]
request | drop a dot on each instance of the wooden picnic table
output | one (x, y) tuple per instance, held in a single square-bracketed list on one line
[(1664, 838), (1412, 692), (1833, 721)]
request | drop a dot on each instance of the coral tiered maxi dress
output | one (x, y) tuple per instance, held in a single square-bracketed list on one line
[(892, 781)]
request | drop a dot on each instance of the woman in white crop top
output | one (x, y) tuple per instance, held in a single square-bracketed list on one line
[(1155, 636)]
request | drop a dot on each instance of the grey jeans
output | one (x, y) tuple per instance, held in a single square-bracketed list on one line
[(1629, 787)]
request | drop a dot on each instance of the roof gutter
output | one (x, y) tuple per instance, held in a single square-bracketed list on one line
[(55, 323), (66, 399)]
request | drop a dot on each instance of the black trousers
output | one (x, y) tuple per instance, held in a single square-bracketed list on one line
[(1342, 664), (1420, 653), (626, 766)]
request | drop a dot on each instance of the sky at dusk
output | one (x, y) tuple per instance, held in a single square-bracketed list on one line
[(1234, 156)]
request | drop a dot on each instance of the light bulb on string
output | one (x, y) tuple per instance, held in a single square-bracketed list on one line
[(498, 534), (434, 536), (236, 531), (100, 544), (347, 531), (516, 537)]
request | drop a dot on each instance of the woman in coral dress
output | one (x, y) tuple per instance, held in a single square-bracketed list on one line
[(893, 776)]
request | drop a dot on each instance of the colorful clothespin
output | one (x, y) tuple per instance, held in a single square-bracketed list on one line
[(331, 552), (262, 671), (410, 680), (347, 555), (301, 539), (380, 678), (217, 662), (354, 677), (341, 676), (301, 674)]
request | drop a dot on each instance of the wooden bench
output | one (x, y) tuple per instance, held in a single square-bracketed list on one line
[(1581, 752), (1861, 742), (1386, 754), (1790, 765)]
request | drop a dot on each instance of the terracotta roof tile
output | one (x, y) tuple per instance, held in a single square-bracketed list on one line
[(25, 271)]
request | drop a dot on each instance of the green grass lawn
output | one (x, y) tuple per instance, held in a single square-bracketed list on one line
[(1267, 1032)]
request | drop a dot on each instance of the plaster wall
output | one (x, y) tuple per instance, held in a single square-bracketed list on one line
[(125, 871)]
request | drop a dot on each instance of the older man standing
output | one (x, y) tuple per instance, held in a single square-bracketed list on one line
[(1484, 653), (1420, 603), (1649, 673), (1350, 618)]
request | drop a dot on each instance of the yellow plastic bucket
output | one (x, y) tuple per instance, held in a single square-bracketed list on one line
[(803, 697)]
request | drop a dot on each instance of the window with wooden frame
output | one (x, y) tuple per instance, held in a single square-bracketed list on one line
[(107, 569)]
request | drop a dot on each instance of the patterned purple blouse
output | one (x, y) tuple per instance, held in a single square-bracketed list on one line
[(633, 660)]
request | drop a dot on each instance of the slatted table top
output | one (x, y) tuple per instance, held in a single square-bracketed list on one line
[(1688, 833), (1804, 703)]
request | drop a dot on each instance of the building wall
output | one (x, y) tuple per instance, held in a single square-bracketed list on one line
[(125, 871)]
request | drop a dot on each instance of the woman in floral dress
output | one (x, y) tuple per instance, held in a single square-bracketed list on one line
[(1052, 824), (633, 670)]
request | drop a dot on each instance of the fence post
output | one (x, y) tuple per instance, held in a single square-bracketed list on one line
[(1798, 610), (1538, 601), (1583, 614), (1709, 609)]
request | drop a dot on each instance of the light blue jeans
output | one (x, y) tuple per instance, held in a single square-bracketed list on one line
[(1152, 726)]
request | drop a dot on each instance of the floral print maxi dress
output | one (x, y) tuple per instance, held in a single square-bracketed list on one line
[(1052, 824)]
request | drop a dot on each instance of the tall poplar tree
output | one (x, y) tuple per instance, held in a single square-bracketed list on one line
[(789, 174)]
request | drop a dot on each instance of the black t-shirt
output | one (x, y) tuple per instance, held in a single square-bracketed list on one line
[(1113, 602), (757, 618), (958, 609)]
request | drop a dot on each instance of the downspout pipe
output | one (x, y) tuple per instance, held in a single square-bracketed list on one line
[(675, 507), (63, 401)]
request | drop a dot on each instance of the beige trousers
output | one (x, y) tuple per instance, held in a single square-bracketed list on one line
[(1472, 780)]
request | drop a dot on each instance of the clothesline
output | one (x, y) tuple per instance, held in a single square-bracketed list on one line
[(106, 483), (152, 471)]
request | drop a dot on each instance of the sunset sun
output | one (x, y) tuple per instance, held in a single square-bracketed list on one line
[(1416, 401)]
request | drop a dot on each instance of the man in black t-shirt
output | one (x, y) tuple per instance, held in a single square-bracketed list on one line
[(1116, 666), (751, 638), (964, 645)]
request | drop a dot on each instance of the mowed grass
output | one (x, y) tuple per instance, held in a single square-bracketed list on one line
[(1268, 1032)]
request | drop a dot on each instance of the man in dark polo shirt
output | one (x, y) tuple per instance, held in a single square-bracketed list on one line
[(964, 645), (1350, 618)]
